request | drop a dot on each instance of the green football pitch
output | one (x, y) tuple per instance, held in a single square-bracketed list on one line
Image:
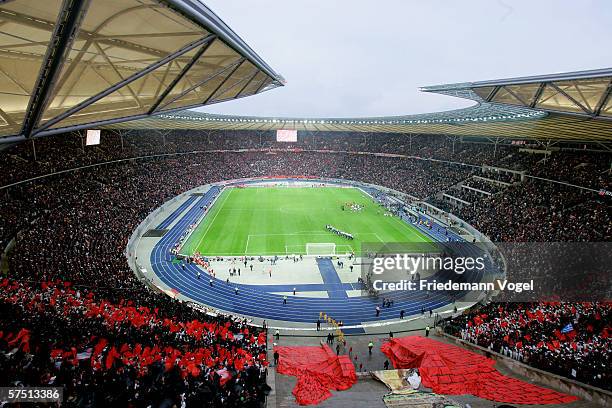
[(283, 220)]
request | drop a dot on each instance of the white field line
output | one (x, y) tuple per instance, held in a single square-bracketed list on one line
[(246, 247), (345, 246), (213, 220), (290, 233), (366, 193), (338, 253), (283, 209), (310, 233), (198, 222), (278, 209), (306, 233), (239, 255), (419, 234)]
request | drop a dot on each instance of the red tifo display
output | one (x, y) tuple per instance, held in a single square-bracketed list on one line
[(318, 370), (452, 370)]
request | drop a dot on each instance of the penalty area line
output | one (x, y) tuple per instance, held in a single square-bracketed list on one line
[(246, 247)]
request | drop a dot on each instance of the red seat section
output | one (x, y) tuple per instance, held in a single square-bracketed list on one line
[(318, 370), (452, 370)]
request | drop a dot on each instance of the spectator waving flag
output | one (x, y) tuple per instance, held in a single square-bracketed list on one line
[(567, 328)]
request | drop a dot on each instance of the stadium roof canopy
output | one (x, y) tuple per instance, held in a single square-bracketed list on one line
[(72, 64), (572, 107), (584, 93), (69, 64)]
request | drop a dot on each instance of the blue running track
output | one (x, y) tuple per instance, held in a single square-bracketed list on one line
[(259, 301), (331, 280), (165, 223)]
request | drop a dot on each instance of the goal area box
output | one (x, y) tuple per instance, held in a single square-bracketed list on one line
[(320, 249)]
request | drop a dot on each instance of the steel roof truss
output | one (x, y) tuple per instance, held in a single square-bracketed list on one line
[(123, 83)]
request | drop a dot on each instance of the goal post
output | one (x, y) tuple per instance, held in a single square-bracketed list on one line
[(320, 249)]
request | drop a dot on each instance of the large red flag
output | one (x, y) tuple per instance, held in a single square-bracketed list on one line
[(110, 357)]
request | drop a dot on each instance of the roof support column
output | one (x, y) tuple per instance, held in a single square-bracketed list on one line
[(537, 95), (63, 35), (604, 99), (82, 137), (121, 134), (495, 148)]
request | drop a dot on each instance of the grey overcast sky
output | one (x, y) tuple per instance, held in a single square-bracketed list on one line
[(351, 58)]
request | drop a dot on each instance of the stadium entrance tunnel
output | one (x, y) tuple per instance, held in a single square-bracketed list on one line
[(294, 251)]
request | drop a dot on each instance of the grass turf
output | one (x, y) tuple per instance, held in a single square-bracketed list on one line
[(282, 220)]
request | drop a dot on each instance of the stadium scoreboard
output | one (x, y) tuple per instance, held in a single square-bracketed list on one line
[(284, 135), (93, 137)]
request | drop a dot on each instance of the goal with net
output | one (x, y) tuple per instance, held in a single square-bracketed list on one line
[(320, 249)]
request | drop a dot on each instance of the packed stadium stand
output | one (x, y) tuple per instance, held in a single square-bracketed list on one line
[(528, 162), (61, 243)]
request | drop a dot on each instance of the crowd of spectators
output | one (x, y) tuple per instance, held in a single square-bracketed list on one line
[(588, 170), (569, 339), (579, 167), (24, 203), (541, 212), (484, 185), (69, 152), (444, 204), (141, 351), (71, 230), (467, 195), (519, 161)]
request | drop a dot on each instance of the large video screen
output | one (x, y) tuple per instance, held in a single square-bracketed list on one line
[(284, 135), (93, 137)]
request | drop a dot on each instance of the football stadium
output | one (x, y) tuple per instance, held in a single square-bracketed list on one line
[(252, 221), (160, 251)]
